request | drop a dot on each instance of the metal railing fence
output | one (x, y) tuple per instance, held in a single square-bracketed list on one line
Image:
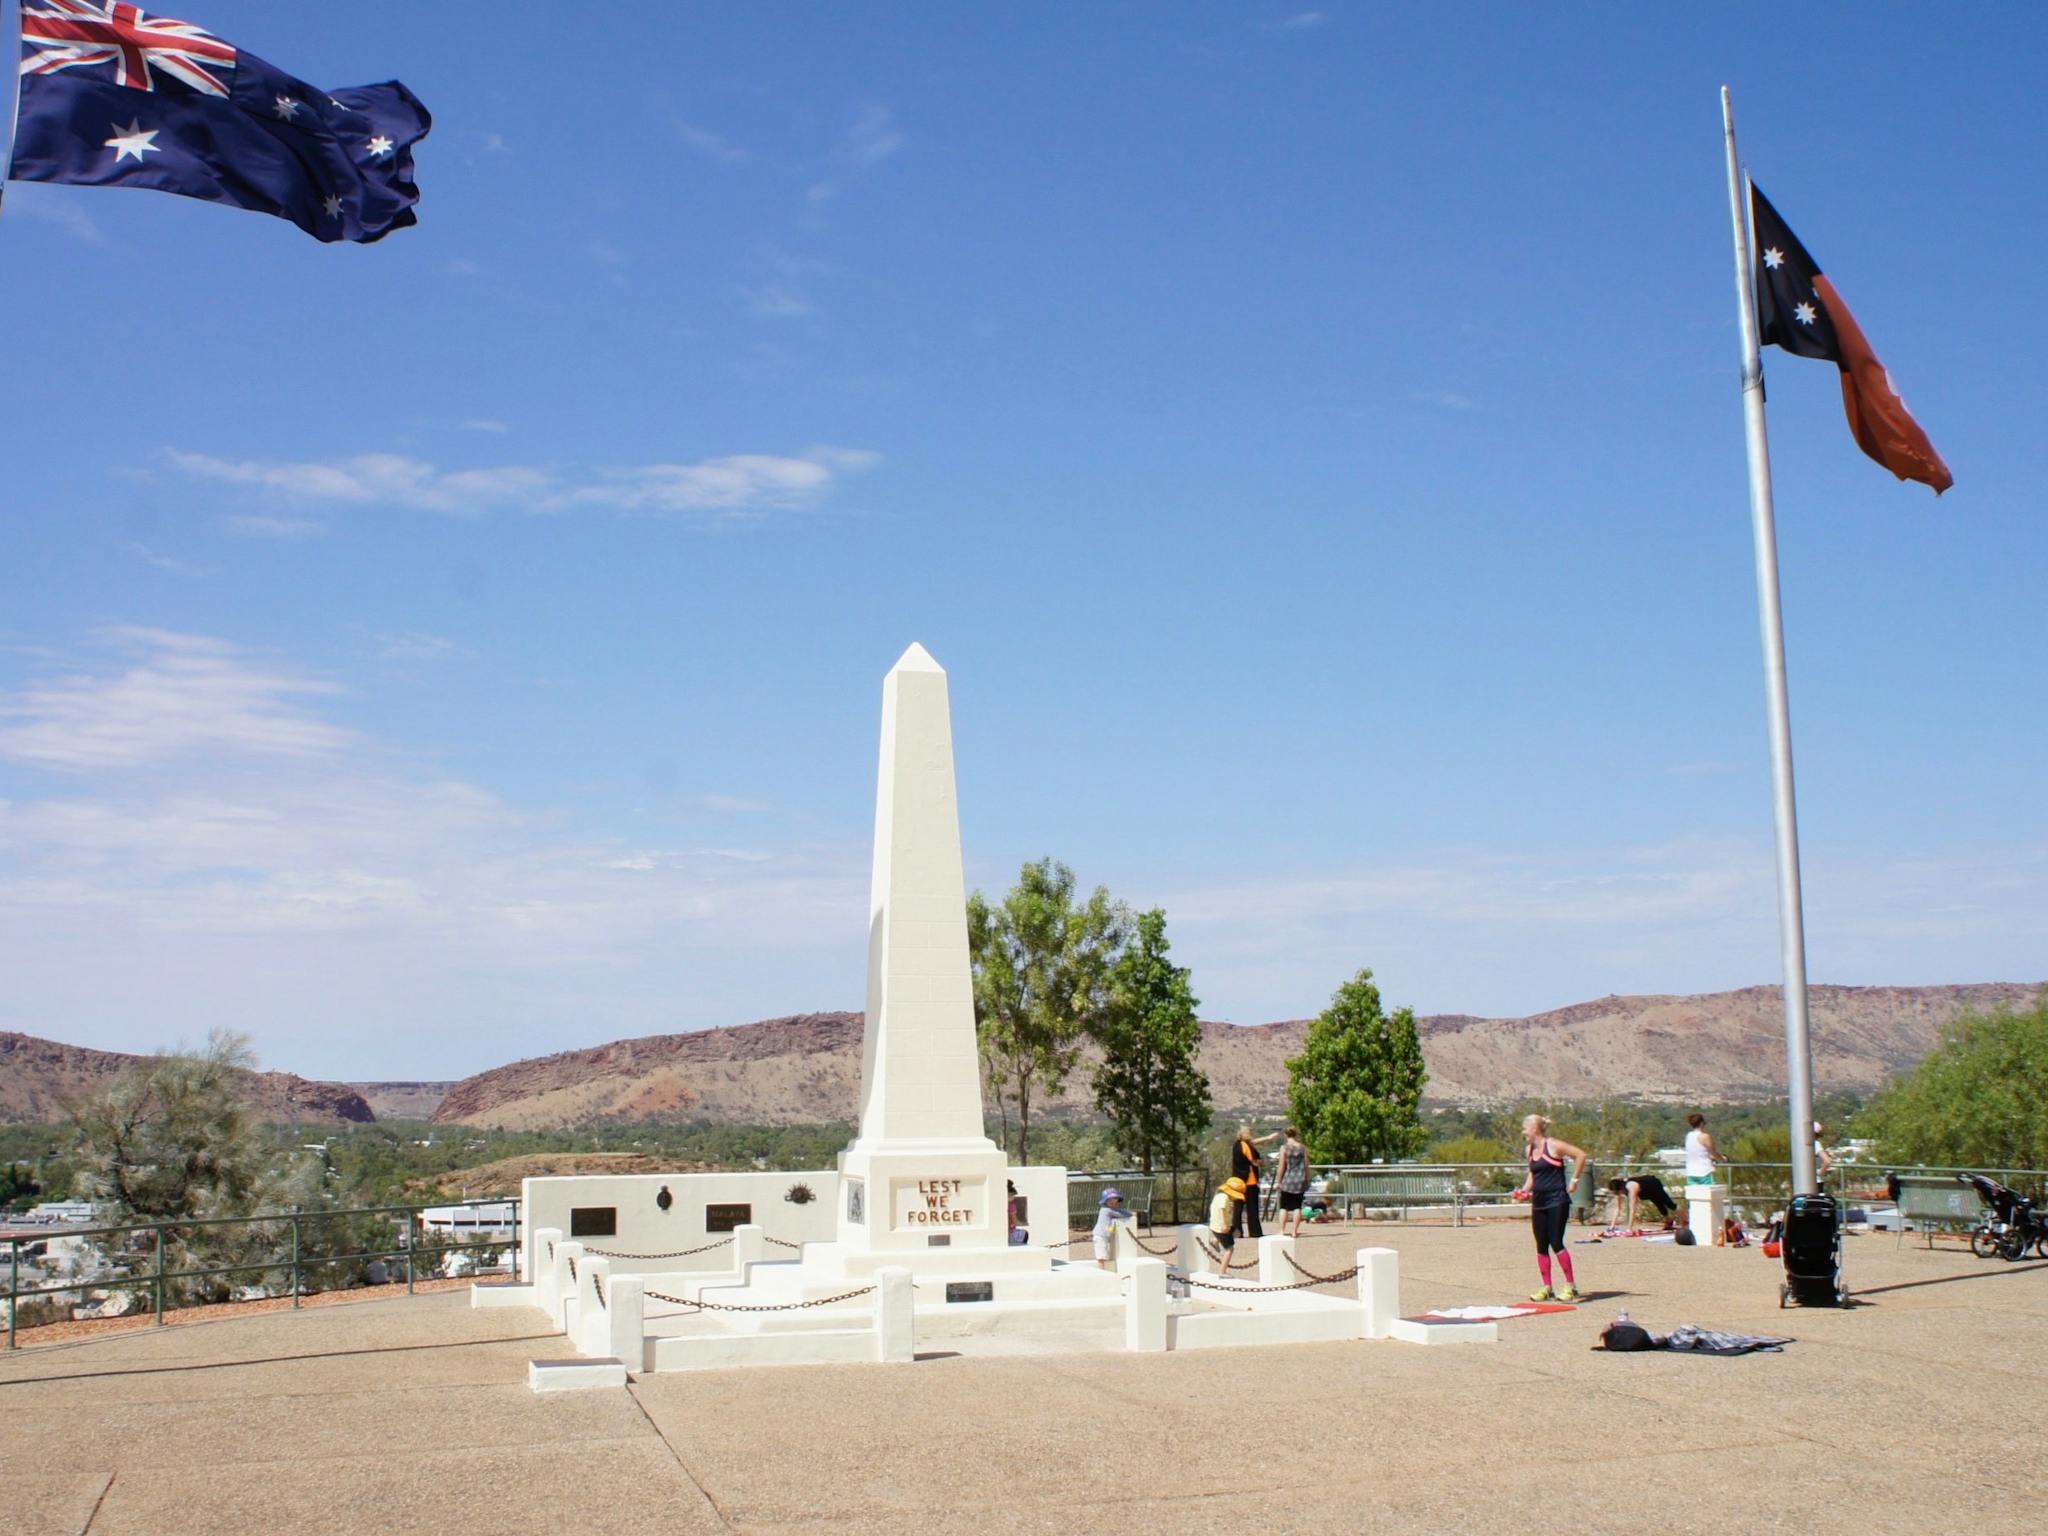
[(294, 1261), (1401, 1190)]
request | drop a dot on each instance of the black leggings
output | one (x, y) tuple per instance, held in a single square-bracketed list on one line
[(1548, 1223), (1247, 1218)]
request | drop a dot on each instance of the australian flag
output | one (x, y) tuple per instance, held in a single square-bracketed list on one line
[(116, 96)]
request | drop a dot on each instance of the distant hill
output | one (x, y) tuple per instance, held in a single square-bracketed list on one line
[(39, 1077), (1713, 1047), (402, 1101)]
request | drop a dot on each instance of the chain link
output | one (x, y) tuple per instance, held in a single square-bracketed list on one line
[(781, 1243), (1217, 1258), (1349, 1274), (597, 1280), (1172, 1250), (1296, 1285), (677, 1253), (572, 1269), (733, 1306)]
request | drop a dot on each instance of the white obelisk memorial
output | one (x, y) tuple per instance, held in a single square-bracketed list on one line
[(921, 1185)]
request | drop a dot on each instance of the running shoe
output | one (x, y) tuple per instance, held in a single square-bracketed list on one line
[(1568, 1293), (1545, 1294)]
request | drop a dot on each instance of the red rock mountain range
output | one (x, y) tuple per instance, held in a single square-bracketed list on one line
[(806, 1068)]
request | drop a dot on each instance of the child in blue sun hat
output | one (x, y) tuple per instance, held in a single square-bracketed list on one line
[(1112, 1222)]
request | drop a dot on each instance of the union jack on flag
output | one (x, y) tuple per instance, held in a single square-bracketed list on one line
[(79, 34)]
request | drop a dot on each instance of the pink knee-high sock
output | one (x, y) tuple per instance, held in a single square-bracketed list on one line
[(1564, 1262), (1543, 1267)]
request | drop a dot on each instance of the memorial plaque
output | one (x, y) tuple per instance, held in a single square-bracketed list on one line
[(594, 1221), (925, 1205), (727, 1218), (970, 1290)]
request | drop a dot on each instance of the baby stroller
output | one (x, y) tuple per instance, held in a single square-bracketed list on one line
[(1813, 1254), (2014, 1226)]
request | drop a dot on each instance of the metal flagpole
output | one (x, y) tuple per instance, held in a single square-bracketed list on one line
[(10, 38), (1791, 921)]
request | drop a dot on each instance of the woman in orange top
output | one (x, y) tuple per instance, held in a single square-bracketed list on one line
[(1244, 1164)]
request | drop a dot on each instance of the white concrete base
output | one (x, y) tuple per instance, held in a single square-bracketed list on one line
[(836, 1263), (1334, 1319), (717, 1352), (1409, 1331), (574, 1375), (1705, 1206)]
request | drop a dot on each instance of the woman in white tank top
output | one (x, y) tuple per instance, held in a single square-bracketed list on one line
[(1700, 1155)]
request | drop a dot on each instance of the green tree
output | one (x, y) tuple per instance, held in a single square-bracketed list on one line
[(1980, 1099), (172, 1140), (1149, 1084), (1042, 969), (1356, 1088)]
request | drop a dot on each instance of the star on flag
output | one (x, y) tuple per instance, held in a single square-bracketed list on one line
[(1799, 309), (133, 142)]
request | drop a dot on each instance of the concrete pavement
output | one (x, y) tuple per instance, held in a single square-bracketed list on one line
[(1917, 1411)]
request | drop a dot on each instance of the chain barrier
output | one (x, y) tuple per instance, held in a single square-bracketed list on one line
[(1170, 1251), (1349, 1274), (551, 1253), (676, 1253), (1217, 1258), (781, 1243), (597, 1281), (734, 1306), (572, 1271), (1210, 1284)]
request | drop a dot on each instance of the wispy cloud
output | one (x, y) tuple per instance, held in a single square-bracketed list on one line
[(485, 424), (462, 266), (1448, 399), (1302, 20), (136, 549), (733, 803), (390, 479), (279, 872), (417, 645), (731, 485), (256, 525), (712, 146), (872, 139), (170, 696), (777, 301), (54, 207)]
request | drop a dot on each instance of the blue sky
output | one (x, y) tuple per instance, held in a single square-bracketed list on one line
[(1310, 440)]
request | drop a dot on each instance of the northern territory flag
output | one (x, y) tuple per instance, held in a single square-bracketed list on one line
[(1798, 309)]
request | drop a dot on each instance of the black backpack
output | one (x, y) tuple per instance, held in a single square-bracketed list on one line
[(1684, 1238), (1626, 1336)]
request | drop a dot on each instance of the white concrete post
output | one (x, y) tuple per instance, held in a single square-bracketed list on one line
[(1379, 1290), (1145, 1307), (565, 1309), (1189, 1256), (749, 1246), (542, 1273), (1704, 1209), (895, 1318), (625, 1320), (1274, 1252), (593, 1333)]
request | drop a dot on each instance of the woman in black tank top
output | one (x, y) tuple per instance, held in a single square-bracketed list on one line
[(1549, 1193)]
